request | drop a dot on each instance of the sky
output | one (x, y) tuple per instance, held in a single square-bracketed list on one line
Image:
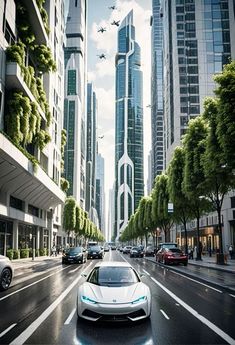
[(102, 72)]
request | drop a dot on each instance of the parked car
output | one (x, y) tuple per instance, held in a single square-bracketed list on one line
[(126, 249), (136, 252), (6, 272), (113, 291), (171, 256), (95, 252), (74, 255), (149, 251), (167, 245)]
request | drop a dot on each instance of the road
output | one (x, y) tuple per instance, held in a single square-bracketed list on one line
[(39, 308)]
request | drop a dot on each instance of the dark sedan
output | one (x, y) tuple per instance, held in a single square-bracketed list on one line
[(136, 252), (171, 256), (95, 252), (74, 255), (149, 251)]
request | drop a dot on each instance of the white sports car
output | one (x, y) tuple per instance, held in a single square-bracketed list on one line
[(6, 272), (113, 291)]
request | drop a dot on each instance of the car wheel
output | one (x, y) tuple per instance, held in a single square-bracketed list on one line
[(185, 263), (5, 279)]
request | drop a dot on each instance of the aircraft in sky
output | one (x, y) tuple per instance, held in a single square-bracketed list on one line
[(101, 29), (102, 56), (115, 22), (113, 7)]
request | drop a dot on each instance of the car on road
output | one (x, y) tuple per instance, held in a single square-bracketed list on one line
[(74, 255), (136, 252), (127, 249), (113, 291), (6, 272), (172, 256), (106, 248), (149, 251), (167, 245), (95, 252)]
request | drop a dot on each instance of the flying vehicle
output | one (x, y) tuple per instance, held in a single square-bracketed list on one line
[(101, 30), (102, 56), (115, 22), (112, 7)]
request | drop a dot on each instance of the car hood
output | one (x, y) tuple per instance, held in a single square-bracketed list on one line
[(106, 294)]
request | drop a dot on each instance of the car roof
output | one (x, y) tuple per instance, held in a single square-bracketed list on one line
[(113, 264)]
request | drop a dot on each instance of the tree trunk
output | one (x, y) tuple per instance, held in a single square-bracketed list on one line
[(199, 252), (186, 236)]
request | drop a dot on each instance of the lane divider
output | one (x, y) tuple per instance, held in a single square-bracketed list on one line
[(201, 318), (164, 314), (7, 330), (67, 322)]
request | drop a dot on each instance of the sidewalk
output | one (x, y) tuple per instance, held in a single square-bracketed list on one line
[(210, 262), (28, 262)]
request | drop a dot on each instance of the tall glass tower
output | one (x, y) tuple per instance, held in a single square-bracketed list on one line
[(157, 157), (198, 40), (74, 102), (129, 175)]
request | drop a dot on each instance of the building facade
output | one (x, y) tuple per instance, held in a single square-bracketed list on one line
[(157, 123), (129, 177), (75, 99), (100, 192), (198, 40), (31, 107)]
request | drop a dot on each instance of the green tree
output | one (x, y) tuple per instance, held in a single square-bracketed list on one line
[(160, 196), (226, 113), (69, 215), (218, 177), (182, 206), (194, 146)]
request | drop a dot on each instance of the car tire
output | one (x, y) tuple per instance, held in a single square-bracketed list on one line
[(185, 264), (5, 279)]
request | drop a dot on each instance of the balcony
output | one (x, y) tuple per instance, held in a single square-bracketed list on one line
[(36, 22), (18, 178), (14, 80)]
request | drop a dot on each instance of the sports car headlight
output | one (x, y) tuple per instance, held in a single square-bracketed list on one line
[(88, 300), (139, 300)]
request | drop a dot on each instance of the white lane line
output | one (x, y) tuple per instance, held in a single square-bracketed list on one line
[(209, 324), (74, 270), (163, 313), (22, 338), (27, 286), (146, 272), (7, 330), (232, 295), (194, 280), (67, 322)]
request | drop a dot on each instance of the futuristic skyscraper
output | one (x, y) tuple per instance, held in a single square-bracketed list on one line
[(129, 176)]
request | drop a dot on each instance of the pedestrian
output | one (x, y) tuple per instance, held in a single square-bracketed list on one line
[(195, 252), (230, 249), (53, 251), (190, 252)]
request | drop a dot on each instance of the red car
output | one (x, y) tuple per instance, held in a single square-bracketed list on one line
[(171, 256)]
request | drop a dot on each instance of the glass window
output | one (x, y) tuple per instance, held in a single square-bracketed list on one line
[(208, 35), (218, 48), (190, 16), (71, 82), (217, 35), (209, 47), (208, 24), (207, 15), (179, 18), (180, 9), (217, 24), (216, 14)]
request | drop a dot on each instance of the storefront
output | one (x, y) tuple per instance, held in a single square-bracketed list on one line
[(6, 236)]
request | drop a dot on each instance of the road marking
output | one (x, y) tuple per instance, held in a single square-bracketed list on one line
[(67, 322), (21, 339), (163, 313), (74, 270), (194, 280), (27, 286), (146, 272), (209, 324), (7, 330), (232, 295)]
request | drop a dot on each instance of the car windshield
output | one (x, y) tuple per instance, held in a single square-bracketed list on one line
[(135, 248), (113, 276), (76, 250), (94, 248)]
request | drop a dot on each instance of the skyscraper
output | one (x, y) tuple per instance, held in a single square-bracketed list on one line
[(129, 177), (91, 148), (100, 192), (157, 91), (74, 103), (198, 41)]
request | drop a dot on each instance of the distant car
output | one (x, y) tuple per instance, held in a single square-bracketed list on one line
[(106, 248), (74, 255), (126, 249), (171, 256), (6, 272), (113, 291), (136, 252), (121, 249), (95, 252), (113, 247), (149, 251)]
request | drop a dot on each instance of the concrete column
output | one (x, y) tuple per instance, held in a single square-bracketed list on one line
[(38, 237), (15, 234)]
